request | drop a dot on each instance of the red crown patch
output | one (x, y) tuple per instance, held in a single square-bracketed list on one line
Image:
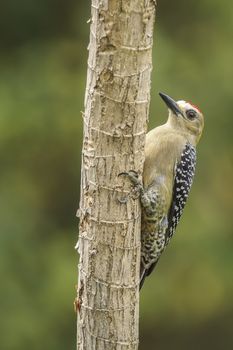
[(195, 106)]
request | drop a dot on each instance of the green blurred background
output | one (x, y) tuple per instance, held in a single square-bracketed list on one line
[(187, 303)]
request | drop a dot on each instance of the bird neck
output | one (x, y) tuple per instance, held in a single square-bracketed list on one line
[(178, 125)]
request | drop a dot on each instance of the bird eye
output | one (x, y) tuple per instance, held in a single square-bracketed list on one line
[(191, 114)]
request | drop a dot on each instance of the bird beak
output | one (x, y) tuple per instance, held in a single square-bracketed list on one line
[(172, 105)]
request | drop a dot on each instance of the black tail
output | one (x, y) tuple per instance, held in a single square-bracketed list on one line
[(142, 279), (145, 272)]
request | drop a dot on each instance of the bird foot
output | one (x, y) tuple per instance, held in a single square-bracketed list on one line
[(138, 187), (133, 177)]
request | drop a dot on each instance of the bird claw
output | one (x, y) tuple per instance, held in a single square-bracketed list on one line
[(138, 187), (123, 200), (133, 177)]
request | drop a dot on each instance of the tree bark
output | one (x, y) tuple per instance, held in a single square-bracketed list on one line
[(115, 122)]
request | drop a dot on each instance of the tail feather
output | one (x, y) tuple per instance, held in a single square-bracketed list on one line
[(142, 279), (145, 272)]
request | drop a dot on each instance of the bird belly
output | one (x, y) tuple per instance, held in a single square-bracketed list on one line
[(154, 225)]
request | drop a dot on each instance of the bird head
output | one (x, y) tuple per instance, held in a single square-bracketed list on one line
[(185, 117)]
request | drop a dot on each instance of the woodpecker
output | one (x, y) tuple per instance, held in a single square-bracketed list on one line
[(170, 159)]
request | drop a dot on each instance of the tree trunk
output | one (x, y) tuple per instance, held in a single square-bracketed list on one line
[(115, 122)]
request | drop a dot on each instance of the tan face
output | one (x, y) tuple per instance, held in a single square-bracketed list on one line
[(190, 119), (185, 118)]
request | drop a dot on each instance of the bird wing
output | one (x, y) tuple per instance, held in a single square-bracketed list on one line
[(183, 179)]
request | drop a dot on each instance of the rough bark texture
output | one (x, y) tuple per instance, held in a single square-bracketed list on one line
[(115, 122)]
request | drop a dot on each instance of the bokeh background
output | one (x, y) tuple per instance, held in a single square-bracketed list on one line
[(187, 303)]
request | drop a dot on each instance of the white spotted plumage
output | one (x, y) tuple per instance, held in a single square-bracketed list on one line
[(184, 174)]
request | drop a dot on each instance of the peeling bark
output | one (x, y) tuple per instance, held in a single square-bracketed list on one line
[(115, 122)]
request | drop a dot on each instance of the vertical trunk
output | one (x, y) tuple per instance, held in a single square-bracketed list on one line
[(115, 121)]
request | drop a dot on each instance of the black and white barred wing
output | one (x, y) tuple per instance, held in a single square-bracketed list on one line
[(184, 174)]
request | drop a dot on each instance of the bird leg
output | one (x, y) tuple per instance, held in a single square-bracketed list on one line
[(148, 196), (138, 186), (139, 189)]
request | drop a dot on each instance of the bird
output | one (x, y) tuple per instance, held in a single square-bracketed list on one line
[(168, 173)]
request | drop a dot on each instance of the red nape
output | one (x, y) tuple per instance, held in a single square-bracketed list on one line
[(195, 106)]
